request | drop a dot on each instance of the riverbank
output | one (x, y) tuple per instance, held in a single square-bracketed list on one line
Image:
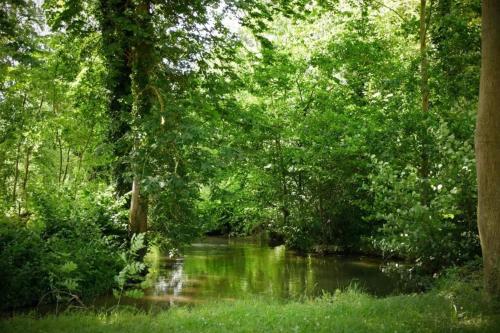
[(455, 306)]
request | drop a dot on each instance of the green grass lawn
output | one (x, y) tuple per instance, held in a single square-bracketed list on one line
[(349, 311)]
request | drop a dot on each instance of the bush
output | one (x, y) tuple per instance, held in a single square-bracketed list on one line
[(22, 272), (436, 234), (62, 249)]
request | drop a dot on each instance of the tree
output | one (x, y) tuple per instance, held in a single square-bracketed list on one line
[(487, 147), (143, 61), (116, 48), (424, 89)]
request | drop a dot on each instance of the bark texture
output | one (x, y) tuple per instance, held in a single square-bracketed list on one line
[(117, 48), (142, 65), (487, 145), (138, 209)]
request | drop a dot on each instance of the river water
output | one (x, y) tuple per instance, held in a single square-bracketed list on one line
[(221, 268)]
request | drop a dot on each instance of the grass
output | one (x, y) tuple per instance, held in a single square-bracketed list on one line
[(346, 312), (454, 306)]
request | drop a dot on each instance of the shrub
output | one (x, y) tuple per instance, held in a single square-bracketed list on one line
[(22, 273), (64, 248), (438, 233)]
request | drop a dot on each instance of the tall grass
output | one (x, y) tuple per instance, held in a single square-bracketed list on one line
[(457, 307)]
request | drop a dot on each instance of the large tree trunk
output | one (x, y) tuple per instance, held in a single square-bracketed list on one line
[(138, 209), (116, 35), (488, 147), (128, 43), (142, 65)]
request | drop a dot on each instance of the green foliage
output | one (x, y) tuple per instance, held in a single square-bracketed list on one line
[(442, 231), (22, 273), (329, 145), (63, 250), (132, 274), (301, 119)]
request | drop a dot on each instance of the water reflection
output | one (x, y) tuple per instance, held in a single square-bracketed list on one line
[(171, 283), (218, 268)]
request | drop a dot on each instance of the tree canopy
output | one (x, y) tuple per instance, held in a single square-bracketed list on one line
[(329, 126)]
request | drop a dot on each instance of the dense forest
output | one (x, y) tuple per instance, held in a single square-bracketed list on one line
[(332, 127)]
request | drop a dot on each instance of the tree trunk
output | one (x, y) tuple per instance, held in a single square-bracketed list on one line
[(59, 144), (424, 62), (424, 90), (18, 155), (487, 145), (80, 155), (67, 165), (116, 35), (138, 209), (16, 173), (142, 64), (284, 188), (26, 176)]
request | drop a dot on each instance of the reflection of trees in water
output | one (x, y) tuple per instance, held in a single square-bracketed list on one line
[(171, 283), (250, 269), (246, 269)]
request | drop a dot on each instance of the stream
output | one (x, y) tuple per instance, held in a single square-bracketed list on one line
[(221, 268)]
